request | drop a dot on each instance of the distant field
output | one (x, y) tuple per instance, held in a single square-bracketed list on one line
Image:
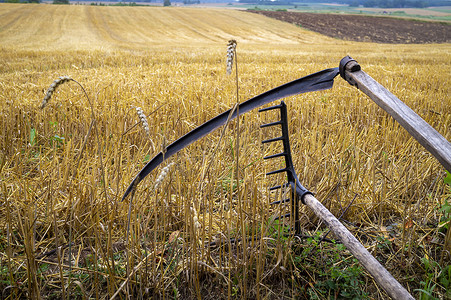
[(441, 13), (362, 28), (437, 12), (199, 226), (85, 27)]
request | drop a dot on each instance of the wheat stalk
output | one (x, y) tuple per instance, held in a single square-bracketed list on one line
[(61, 80)]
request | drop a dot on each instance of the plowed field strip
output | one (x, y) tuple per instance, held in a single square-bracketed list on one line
[(367, 28)]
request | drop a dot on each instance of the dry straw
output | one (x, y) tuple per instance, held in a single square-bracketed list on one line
[(61, 80), (231, 48)]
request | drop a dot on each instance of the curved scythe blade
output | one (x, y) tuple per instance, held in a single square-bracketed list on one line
[(321, 80)]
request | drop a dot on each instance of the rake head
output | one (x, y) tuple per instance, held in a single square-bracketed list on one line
[(297, 190)]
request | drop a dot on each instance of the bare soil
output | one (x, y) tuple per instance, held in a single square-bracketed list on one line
[(367, 28)]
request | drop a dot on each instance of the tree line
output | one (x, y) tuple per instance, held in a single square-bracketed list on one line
[(357, 3)]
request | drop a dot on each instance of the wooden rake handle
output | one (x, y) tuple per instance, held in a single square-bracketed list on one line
[(393, 288), (424, 133)]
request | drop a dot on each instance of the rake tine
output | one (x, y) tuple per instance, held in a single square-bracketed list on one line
[(280, 201), (283, 216), (271, 124), (279, 186), (275, 155), (270, 108), (273, 140), (278, 171)]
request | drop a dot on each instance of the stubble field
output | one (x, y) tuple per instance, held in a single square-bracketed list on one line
[(66, 234)]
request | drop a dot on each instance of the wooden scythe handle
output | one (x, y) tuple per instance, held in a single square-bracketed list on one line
[(424, 133)]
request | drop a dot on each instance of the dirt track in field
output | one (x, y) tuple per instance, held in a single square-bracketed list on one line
[(367, 28)]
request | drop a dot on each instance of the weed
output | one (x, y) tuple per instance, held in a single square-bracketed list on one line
[(340, 283), (436, 278), (278, 230), (334, 277), (445, 220), (32, 137)]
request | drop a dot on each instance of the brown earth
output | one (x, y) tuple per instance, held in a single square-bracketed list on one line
[(367, 28)]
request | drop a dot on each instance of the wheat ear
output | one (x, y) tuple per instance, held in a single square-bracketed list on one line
[(143, 119), (162, 175), (61, 80), (231, 47), (196, 222)]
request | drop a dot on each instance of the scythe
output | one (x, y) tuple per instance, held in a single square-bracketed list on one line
[(350, 70)]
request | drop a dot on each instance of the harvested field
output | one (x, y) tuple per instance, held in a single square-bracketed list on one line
[(85, 27), (367, 28), (201, 225)]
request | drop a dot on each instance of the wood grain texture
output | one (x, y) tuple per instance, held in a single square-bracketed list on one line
[(393, 288), (424, 133)]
